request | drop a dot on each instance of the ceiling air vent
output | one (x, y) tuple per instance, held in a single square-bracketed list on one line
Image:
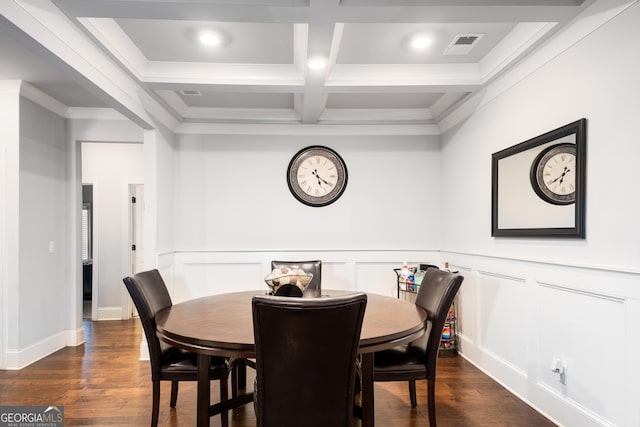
[(190, 92), (462, 44)]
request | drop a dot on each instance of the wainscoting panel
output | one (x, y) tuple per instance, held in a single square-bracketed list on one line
[(502, 303), (194, 274), (378, 278), (591, 343), (201, 279), (516, 316), (337, 275), (165, 264), (465, 306)]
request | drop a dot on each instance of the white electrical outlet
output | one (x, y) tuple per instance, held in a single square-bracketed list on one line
[(52, 247)]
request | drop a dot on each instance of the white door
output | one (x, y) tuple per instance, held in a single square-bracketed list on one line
[(136, 227)]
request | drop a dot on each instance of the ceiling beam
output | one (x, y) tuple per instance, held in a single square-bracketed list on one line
[(459, 11), (47, 31), (320, 41)]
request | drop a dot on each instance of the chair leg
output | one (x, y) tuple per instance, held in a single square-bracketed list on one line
[(431, 392), (174, 394), (358, 384), (155, 409), (412, 393), (224, 396), (238, 376), (234, 381), (242, 374)]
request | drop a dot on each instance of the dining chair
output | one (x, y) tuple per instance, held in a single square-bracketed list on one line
[(418, 359), (302, 378), (239, 373), (289, 291), (314, 267), (149, 294)]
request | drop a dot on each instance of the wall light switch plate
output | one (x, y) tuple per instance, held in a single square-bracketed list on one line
[(52, 247)]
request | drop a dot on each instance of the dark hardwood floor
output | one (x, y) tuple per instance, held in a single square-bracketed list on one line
[(102, 383)]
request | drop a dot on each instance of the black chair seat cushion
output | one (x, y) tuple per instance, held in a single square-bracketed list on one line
[(400, 361), (179, 362)]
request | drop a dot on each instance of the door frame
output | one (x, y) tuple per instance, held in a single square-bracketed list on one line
[(3, 260), (135, 228)]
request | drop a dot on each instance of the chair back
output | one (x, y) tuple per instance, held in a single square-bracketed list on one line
[(150, 295), (436, 294), (306, 352), (289, 290), (313, 267)]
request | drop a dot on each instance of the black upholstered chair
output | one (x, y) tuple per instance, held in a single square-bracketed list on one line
[(418, 359), (314, 267), (289, 291), (150, 295), (306, 379)]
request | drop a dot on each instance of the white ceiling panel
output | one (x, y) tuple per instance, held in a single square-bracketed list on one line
[(170, 40), (238, 100), (382, 100), (391, 43), (258, 73)]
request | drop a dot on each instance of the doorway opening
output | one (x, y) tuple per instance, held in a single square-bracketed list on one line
[(87, 250)]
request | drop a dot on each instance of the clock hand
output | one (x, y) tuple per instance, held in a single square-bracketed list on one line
[(561, 177), (315, 172), (556, 179)]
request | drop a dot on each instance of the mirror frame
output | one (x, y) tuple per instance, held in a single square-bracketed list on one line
[(578, 230)]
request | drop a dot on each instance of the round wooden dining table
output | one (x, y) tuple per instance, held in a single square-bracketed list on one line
[(222, 325)]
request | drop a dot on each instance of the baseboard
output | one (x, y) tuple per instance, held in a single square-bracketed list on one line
[(20, 358), (74, 338), (144, 350), (540, 396), (109, 313)]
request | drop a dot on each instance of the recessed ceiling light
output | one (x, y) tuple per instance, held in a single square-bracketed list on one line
[(317, 63), (421, 42), (209, 39)]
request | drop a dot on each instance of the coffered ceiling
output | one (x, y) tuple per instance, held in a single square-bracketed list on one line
[(258, 72)]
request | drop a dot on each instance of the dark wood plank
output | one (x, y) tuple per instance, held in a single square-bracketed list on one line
[(102, 383)]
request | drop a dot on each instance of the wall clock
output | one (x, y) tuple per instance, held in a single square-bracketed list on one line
[(553, 174), (317, 176)]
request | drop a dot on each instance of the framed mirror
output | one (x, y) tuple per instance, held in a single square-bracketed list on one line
[(538, 186)]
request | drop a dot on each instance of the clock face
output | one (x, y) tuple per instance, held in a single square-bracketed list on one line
[(317, 176), (553, 174)]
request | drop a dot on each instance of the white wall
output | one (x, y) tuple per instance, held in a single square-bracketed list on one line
[(110, 168), (231, 194), (159, 179), (234, 212), (525, 301), (38, 294)]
